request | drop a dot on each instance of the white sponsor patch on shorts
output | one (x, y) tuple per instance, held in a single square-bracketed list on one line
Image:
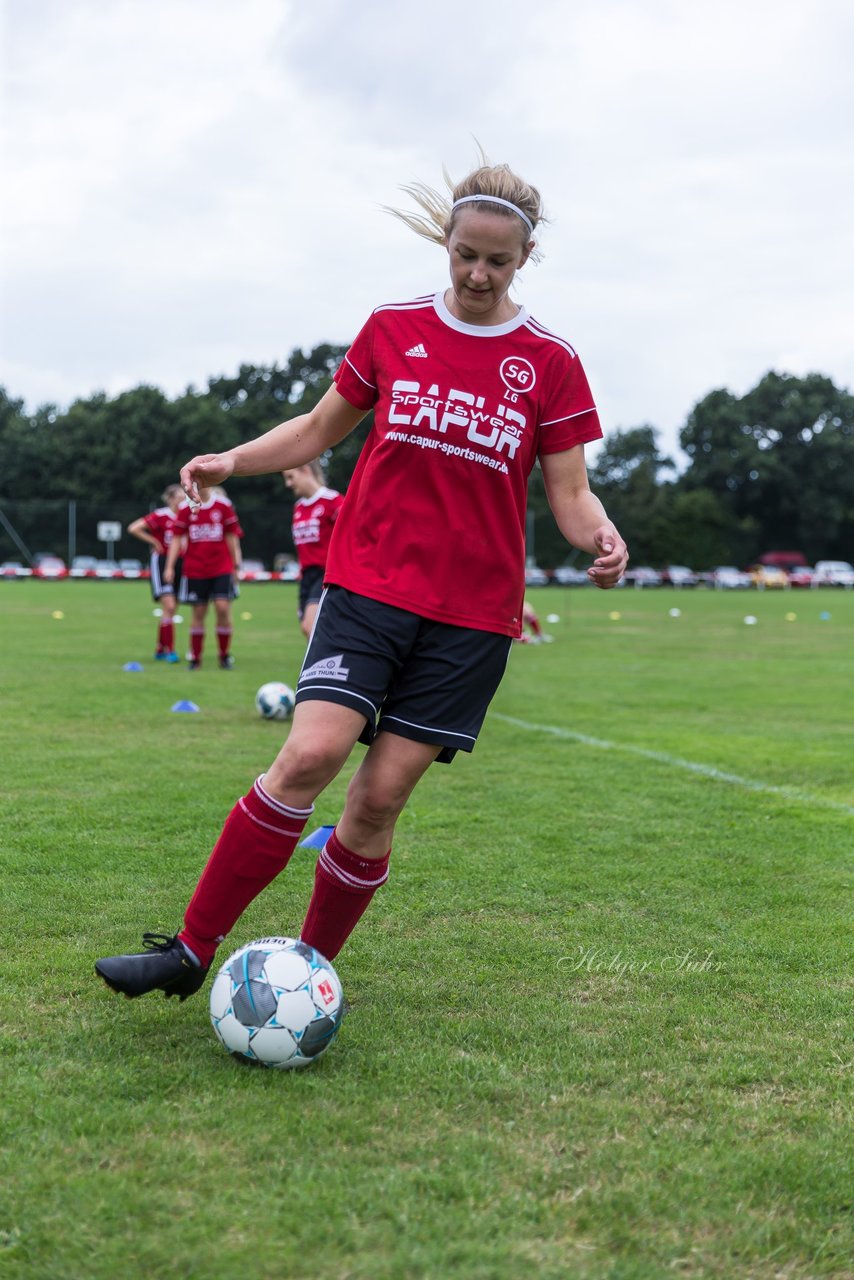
[(327, 669)]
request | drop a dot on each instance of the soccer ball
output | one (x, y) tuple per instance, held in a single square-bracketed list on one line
[(277, 1002), (275, 701)]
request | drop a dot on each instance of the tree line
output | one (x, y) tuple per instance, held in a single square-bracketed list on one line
[(770, 470)]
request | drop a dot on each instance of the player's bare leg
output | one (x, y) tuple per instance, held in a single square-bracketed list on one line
[(309, 614), (379, 791), (321, 738), (354, 861)]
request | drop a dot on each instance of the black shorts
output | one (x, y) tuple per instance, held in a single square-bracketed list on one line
[(310, 587), (158, 586), (424, 680), (203, 590)]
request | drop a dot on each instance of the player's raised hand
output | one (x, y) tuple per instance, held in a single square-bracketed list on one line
[(203, 471), (610, 565)]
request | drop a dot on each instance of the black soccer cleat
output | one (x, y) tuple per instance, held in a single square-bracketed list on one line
[(163, 966), (227, 662)]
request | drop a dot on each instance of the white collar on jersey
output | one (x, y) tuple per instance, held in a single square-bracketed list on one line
[(322, 492), (477, 330)]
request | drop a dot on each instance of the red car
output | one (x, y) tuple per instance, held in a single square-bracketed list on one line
[(801, 576), (50, 567)]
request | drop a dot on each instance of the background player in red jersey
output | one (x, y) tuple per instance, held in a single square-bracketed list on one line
[(157, 529), (208, 534), (315, 512), (425, 577)]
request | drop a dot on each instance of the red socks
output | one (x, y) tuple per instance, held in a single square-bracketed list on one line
[(166, 637), (223, 639), (344, 884), (256, 843), (197, 642)]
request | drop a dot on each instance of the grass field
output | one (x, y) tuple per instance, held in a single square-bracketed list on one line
[(601, 1019)]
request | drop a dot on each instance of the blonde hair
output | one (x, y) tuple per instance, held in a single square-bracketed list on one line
[(488, 180), (317, 467), (170, 491)]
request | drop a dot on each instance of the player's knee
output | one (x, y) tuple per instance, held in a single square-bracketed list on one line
[(374, 805), (305, 766)]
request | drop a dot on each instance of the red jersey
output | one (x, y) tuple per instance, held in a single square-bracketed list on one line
[(162, 524), (434, 518), (311, 526), (207, 554)]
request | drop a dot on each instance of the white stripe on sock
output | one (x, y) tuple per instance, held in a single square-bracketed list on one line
[(277, 804), (332, 868), (268, 826)]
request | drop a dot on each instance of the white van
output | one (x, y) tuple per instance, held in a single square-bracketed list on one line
[(833, 573)]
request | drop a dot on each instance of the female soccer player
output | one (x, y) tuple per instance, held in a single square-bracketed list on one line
[(315, 512), (208, 535), (425, 577), (157, 529)]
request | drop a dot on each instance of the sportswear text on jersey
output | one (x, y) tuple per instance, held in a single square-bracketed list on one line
[(311, 526), (206, 527)]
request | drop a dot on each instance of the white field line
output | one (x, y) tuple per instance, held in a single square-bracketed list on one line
[(675, 762)]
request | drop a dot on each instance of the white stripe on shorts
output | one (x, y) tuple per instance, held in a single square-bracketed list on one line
[(429, 728), (339, 688)]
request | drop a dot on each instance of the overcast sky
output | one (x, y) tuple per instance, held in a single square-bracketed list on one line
[(188, 185)]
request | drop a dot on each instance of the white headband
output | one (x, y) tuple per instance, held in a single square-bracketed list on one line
[(508, 204)]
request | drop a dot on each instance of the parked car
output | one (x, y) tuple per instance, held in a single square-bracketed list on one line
[(535, 576), (769, 575), (83, 567), (833, 573), (107, 569), (644, 576), (49, 566), (678, 575), (726, 577), (801, 576), (13, 569), (131, 568), (786, 560), (253, 571), (286, 567), (567, 575)]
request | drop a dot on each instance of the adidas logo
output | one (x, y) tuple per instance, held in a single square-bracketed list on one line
[(418, 351)]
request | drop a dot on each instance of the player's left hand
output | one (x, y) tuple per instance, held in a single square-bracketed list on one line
[(610, 565), (204, 471)]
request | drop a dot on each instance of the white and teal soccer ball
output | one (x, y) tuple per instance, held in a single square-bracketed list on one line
[(275, 701), (277, 1002)]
